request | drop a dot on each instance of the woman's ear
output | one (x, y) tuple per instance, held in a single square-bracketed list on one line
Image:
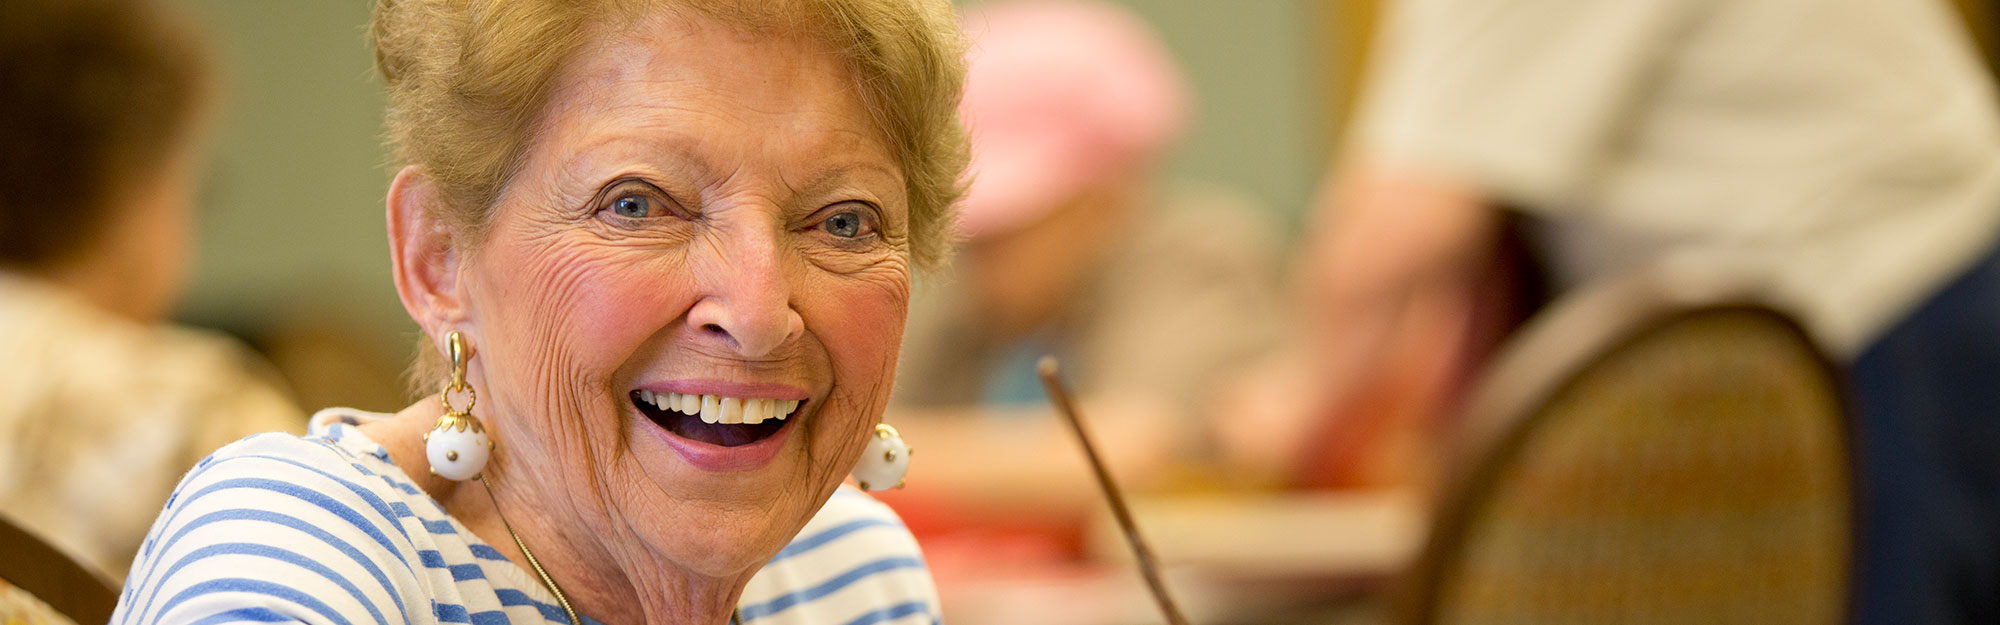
[(421, 255)]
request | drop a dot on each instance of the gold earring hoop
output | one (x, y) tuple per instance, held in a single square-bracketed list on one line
[(457, 445), (454, 347)]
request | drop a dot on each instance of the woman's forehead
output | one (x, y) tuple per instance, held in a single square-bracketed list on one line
[(713, 96), (688, 61)]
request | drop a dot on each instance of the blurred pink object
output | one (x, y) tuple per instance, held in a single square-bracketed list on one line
[(1059, 96)]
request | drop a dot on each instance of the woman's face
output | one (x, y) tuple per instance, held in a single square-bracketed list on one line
[(704, 213)]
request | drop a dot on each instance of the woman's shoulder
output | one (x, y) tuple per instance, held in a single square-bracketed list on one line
[(854, 561), (334, 462), (281, 470), (304, 523), (852, 521)]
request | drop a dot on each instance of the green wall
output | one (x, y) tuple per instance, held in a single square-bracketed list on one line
[(291, 220), (1264, 101)]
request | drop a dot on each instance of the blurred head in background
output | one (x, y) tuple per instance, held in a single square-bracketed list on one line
[(98, 152), (101, 107), (1149, 287), (1070, 104)]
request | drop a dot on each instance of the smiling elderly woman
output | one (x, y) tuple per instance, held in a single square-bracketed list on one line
[(661, 253)]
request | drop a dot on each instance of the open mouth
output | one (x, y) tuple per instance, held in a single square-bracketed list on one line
[(716, 419)]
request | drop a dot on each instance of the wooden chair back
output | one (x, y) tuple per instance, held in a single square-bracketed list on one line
[(52, 578), (1648, 452)]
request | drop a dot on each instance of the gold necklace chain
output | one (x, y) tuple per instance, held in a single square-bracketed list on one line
[(735, 616), (546, 580)]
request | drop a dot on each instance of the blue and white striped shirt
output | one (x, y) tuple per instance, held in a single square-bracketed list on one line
[(325, 529)]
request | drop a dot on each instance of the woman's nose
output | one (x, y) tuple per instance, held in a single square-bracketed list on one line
[(748, 301)]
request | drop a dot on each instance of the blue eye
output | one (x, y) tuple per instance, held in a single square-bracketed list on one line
[(632, 206), (846, 225)]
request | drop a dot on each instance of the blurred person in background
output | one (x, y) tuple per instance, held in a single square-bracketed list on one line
[(1147, 292), (1846, 150), (102, 404)]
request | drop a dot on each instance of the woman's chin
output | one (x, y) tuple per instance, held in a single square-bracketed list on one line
[(720, 510), (724, 499), (732, 544)]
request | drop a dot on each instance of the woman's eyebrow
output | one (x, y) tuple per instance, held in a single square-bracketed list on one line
[(592, 162), (597, 157), (841, 176)]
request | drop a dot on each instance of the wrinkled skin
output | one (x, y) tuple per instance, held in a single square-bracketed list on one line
[(670, 222)]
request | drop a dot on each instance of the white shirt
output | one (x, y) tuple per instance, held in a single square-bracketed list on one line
[(325, 529), (1849, 148)]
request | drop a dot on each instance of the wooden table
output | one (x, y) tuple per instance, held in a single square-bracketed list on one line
[(1228, 558)]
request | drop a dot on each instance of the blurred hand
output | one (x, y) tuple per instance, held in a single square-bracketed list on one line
[(1385, 283)]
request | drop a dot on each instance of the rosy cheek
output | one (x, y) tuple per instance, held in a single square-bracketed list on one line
[(582, 301), (862, 327), (617, 311)]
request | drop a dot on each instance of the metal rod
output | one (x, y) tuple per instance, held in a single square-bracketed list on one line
[(1059, 395)]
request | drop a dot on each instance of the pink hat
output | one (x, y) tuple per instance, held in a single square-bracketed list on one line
[(1060, 95)]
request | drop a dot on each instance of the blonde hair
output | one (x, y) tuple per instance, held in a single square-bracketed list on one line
[(469, 81)]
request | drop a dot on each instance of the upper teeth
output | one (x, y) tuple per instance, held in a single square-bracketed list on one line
[(719, 409)]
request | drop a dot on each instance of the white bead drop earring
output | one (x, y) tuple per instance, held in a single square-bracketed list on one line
[(884, 461), (457, 446)]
